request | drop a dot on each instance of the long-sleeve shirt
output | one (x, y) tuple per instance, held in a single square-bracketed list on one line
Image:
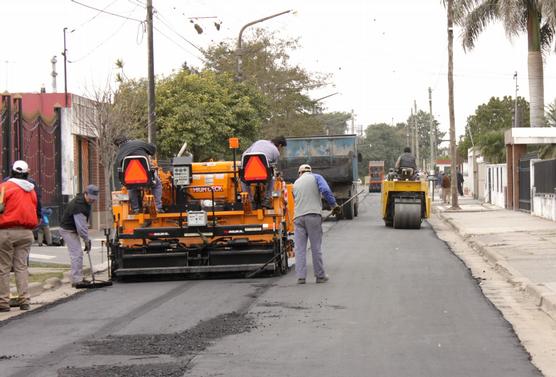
[(307, 191), (76, 216), (267, 148)]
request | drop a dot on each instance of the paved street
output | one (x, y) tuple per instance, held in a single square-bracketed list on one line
[(399, 303)]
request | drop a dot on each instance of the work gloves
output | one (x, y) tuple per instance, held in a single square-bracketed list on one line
[(87, 246), (336, 210)]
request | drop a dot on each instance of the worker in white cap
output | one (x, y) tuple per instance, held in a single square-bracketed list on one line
[(18, 218), (307, 192)]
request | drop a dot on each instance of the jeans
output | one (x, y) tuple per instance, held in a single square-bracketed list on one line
[(157, 193), (308, 227)]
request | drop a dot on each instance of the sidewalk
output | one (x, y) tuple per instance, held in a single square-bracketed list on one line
[(521, 246), (55, 288)]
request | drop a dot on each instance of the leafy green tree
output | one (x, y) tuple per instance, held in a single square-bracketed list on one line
[(485, 129), (334, 123), (534, 17), (423, 120), (205, 110), (266, 67), (551, 114), (381, 142), (548, 151)]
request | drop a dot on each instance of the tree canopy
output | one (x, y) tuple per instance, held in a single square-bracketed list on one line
[(381, 142), (267, 67), (535, 18), (205, 110), (485, 129)]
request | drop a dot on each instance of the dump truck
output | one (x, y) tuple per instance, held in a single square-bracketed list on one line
[(209, 224), (334, 157), (376, 175)]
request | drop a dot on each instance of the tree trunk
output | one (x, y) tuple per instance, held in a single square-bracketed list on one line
[(453, 152), (535, 68), (536, 88)]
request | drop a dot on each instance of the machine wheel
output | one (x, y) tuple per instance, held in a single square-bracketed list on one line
[(281, 263), (407, 216), (348, 211), (356, 209)]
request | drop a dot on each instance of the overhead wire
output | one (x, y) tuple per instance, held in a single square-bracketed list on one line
[(106, 39), (178, 44), (105, 11), (95, 16), (159, 16)]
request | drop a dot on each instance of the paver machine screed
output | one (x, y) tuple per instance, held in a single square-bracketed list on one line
[(209, 225)]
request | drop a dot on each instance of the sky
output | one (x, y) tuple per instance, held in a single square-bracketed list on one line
[(382, 56)]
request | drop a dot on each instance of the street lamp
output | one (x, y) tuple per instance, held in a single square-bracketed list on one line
[(320, 99), (239, 51)]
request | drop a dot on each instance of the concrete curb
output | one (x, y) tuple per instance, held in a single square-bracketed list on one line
[(543, 297), (36, 289)]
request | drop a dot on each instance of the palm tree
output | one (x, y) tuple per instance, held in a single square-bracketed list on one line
[(535, 17)]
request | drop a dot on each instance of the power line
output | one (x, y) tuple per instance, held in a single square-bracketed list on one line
[(100, 44), (178, 34), (178, 44), (104, 11), (95, 16), (104, 41)]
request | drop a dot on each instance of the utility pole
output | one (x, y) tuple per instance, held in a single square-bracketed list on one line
[(410, 132), (352, 121), (65, 53), (54, 73), (432, 135), (416, 134), (453, 152), (150, 89)]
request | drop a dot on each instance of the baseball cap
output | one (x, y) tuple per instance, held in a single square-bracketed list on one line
[(92, 192), (304, 168), (20, 166)]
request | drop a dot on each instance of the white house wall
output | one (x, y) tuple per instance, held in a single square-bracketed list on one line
[(68, 175), (496, 193)]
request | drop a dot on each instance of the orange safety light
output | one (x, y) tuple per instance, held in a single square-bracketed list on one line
[(233, 142), (135, 173), (255, 170)]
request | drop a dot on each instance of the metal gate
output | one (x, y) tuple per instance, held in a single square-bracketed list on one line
[(525, 182), (38, 142)]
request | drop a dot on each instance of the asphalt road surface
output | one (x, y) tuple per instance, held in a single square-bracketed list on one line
[(398, 304)]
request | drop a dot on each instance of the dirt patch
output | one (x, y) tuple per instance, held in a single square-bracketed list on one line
[(188, 342), (7, 357), (151, 370)]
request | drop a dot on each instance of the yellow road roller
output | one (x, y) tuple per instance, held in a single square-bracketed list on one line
[(405, 200)]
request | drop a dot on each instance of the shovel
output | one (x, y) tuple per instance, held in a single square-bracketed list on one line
[(344, 203), (94, 283)]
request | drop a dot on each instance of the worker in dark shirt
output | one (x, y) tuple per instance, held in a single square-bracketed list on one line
[(128, 147), (75, 225), (406, 160)]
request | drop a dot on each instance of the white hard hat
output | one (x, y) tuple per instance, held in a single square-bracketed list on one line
[(304, 168), (20, 166)]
